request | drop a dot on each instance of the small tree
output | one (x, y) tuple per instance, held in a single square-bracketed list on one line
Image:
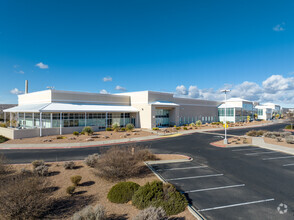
[(115, 126), (198, 123), (88, 130)]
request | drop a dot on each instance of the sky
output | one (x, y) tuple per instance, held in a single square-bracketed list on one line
[(191, 48)]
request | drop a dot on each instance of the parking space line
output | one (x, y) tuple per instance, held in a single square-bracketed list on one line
[(238, 204), (196, 177), (183, 168), (214, 188), (248, 149), (265, 152), (290, 164), (276, 158)]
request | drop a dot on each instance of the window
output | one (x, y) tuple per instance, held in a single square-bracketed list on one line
[(260, 111)]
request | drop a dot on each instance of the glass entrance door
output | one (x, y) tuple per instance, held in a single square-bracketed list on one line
[(162, 117)]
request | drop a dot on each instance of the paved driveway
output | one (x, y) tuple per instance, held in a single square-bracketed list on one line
[(256, 180)]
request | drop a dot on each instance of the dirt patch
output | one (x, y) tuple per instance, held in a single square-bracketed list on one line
[(274, 141), (234, 141), (171, 156), (70, 138), (92, 190)]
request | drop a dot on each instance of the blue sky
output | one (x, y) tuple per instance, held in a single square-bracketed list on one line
[(192, 48)]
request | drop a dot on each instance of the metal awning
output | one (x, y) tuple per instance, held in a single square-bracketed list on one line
[(165, 103), (67, 107)]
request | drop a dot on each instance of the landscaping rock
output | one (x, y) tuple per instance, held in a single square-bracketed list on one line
[(72, 138), (89, 139), (47, 140), (106, 137), (94, 136)]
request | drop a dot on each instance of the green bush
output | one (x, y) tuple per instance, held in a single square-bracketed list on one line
[(185, 128), (192, 124), (76, 180), (287, 127), (122, 192), (123, 129), (76, 133), (60, 137), (198, 123), (108, 129), (115, 127), (155, 129), (130, 127), (88, 130), (159, 195), (82, 133), (70, 190), (3, 139), (178, 128)]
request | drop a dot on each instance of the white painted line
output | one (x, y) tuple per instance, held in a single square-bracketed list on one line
[(183, 168), (265, 152), (234, 205), (248, 149), (276, 158), (214, 188), (290, 164), (196, 177)]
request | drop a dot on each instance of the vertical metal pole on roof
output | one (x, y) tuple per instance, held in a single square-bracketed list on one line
[(41, 124), (85, 119), (60, 124), (10, 118), (106, 125), (51, 120)]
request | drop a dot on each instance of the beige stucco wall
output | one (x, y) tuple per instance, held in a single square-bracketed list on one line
[(7, 132), (35, 98)]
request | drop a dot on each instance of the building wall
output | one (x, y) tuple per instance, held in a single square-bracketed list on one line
[(35, 98)]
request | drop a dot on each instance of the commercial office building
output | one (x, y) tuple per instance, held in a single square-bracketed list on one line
[(52, 112)]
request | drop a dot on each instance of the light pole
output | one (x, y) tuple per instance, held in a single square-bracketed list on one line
[(225, 91)]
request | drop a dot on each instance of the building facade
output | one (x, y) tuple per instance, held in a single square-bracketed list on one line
[(52, 112)]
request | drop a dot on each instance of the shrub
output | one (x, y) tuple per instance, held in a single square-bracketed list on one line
[(88, 130), (76, 133), (82, 133), (70, 190), (289, 139), (254, 133), (178, 128), (198, 123), (42, 170), (25, 171), (60, 137), (155, 129), (115, 127), (151, 213), (24, 197), (37, 163), (3, 139), (192, 124), (108, 129), (76, 180), (130, 127), (289, 127), (185, 128), (145, 155), (122, 192), (92, 160), (69, 165), (91, 213), (158, 195), (4, 167), (123, 129), (118, 164)]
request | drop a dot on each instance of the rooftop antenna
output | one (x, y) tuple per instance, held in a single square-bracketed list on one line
[(50, 87)]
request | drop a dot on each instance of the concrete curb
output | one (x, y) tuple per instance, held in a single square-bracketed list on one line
[(191, 208)]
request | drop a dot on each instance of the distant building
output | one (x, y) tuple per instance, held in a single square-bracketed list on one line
[(268, 110)]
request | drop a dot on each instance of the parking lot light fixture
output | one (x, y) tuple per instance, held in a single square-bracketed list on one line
[(225, 91)]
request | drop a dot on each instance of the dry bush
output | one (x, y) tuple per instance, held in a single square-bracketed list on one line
[(92, 160), (4, 167), (42, 170), (69, 165), (91, 213), (151, 213), (37, 163), (145, 155), (24, 197), (118, 163)]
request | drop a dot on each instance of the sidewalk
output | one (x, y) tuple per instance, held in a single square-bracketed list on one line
[(258, 141)]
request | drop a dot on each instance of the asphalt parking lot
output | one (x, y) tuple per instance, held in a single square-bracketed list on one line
[(219, 196)]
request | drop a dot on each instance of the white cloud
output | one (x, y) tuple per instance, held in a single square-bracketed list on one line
[(119, 88), (20, 72), (279, 27), (15, 91), (107, 79), (181, 90), (103, 91), (42, 65), (276, 89)]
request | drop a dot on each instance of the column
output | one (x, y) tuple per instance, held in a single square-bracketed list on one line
[(41, 124), (10, 118), (60, 124), (106, 125), (24, 120), (51, 120), (18, 122), (4, 117), (33, 119), (85, 119), (125, 119)]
